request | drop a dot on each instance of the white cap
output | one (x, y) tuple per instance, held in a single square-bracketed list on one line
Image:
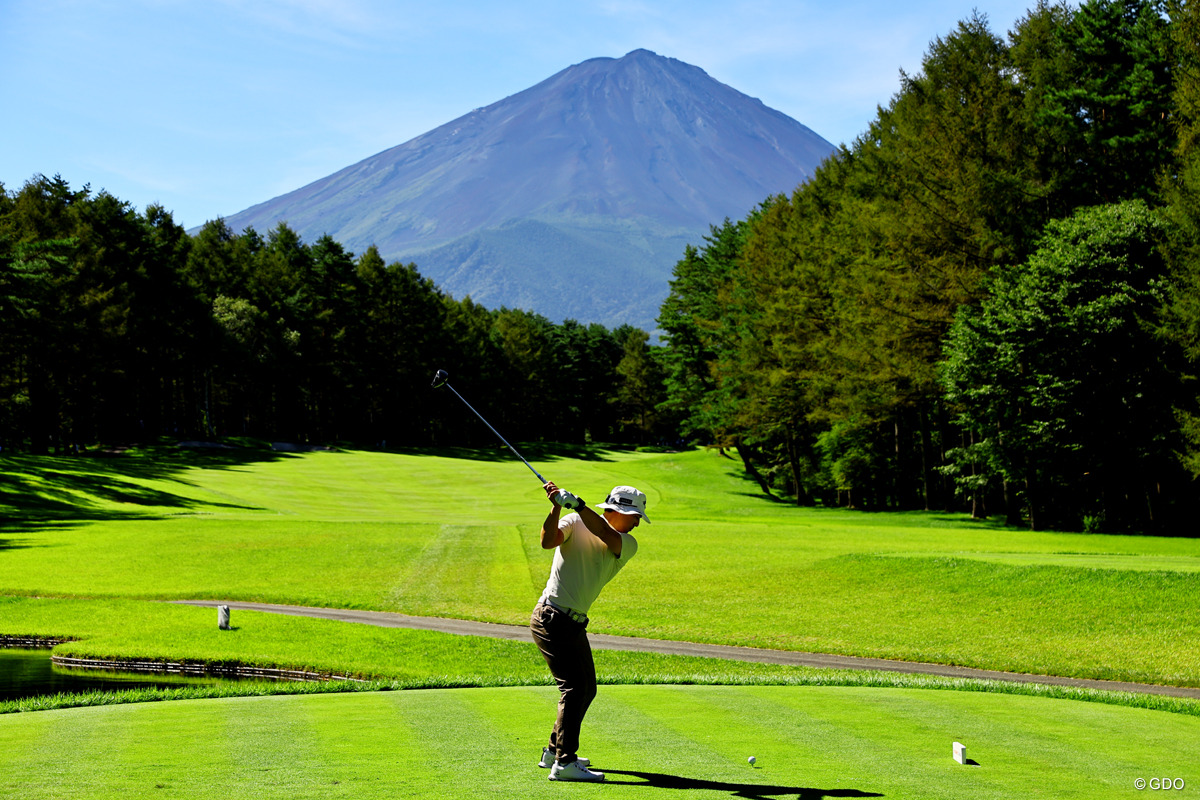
[(626, 500)]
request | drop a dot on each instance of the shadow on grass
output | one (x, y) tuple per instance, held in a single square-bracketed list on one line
[(770, 498), (37, 489), (532, 451), (107, 484), (14, 544), (752, 791)]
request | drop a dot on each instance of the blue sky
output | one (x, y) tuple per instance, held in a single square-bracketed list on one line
[(211, 106)]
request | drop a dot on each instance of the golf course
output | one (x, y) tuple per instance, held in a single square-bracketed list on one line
[(93, 548)]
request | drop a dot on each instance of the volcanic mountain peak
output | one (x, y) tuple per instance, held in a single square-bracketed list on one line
[(627, 158)]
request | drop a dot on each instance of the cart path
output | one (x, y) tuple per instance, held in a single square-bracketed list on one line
[(601, 641)]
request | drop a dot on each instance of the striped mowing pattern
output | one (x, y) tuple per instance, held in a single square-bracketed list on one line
[(675, 742)]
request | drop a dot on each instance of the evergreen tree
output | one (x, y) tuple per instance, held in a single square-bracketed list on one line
[(690, 318), (40, 213), (409, 330), (1108, 102), (1059, 369), (1181, 323), (640, 389), (528, 366)]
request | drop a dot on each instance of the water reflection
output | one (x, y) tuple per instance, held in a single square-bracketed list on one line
[(30, 673)]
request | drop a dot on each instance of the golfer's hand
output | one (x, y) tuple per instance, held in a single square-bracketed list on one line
[(563, 498)]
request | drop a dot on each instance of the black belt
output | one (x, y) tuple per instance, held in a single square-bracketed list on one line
[(575, 615)]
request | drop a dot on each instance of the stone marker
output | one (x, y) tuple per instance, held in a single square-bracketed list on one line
[(223, 617), (960, 753)]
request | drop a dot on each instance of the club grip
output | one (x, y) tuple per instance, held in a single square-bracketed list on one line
[(568, 500)]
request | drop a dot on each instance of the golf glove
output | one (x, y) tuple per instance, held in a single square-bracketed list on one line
[(568, 500)]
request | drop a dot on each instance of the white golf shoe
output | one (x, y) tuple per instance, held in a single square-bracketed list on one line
[(548, 759), (574, 772)]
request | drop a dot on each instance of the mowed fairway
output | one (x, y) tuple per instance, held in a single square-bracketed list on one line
[(434, 535), (100, 540), (677, 742)]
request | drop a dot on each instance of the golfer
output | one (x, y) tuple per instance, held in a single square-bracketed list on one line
[(589, 550)]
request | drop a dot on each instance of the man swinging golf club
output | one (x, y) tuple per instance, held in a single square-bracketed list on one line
[(590, 550)]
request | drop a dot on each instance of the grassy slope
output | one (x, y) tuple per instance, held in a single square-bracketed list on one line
[(427, 534), (400, 658), (810, 743)]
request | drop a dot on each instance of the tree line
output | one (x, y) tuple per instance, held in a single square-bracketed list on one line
[(117, 326), (989, 300)]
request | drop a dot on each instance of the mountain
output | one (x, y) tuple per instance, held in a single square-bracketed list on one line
[(573, 198)]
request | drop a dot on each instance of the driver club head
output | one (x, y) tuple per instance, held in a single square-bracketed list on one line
[(440, 378)]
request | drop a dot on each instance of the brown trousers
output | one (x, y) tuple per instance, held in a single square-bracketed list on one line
[(564, 644)]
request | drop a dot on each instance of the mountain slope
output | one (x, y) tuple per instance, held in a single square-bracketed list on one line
[(606, 168)]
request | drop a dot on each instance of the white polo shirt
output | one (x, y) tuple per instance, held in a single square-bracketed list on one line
[(583, 564)]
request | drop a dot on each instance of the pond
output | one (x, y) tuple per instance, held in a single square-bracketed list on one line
[(30, 673)]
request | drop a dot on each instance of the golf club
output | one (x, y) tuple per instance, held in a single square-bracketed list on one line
[(563, 498)]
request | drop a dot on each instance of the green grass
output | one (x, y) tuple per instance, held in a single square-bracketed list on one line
[(398, 658), (678, 742), (426, 533), (87, 545)]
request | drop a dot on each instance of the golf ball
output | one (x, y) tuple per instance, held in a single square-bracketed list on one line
[(750, 759)]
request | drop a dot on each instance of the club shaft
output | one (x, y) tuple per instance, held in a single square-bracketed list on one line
[(493, 430)]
